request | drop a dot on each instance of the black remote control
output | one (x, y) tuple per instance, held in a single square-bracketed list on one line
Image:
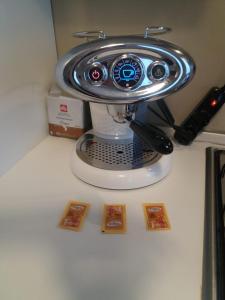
[(200, 116)]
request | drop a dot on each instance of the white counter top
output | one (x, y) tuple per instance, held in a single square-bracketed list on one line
[(40, 261)]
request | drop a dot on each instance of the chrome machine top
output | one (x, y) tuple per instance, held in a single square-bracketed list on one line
[(124, 69)]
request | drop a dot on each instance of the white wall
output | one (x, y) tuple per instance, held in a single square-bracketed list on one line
[(198, 26), (27, 60)]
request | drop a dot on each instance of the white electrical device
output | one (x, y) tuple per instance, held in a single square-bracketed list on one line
[(115, 74)]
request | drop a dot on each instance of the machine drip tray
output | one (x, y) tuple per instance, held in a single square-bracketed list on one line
[(115, 154)]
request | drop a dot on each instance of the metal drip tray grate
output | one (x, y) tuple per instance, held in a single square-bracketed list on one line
[(115, 154)]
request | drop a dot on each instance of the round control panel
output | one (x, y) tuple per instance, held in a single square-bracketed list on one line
[(158, 71), (127, 72), (124, 70), (97, 73)]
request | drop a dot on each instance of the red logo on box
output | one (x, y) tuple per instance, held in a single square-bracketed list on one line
[(63, 108)]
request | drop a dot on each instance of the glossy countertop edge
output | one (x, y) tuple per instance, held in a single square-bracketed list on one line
[(211, 137)]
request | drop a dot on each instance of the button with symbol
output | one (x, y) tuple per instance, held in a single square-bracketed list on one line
[(158, 71), (97, 73)]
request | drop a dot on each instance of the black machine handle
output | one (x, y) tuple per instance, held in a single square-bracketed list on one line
[(154, 137)]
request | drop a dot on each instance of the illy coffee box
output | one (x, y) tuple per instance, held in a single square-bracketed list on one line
[(67, 116)]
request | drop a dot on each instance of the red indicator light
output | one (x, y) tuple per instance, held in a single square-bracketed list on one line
[(213, 103)]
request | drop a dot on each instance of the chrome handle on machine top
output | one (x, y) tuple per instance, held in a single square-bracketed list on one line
[(100, 34)]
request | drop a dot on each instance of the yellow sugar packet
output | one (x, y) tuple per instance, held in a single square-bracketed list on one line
[(74, 215), (156, 217), (114, 218)]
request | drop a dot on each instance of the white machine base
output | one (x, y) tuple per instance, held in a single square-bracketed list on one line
[(121, 180)]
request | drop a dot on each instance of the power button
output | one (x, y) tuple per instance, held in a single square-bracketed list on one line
[(97, 74)]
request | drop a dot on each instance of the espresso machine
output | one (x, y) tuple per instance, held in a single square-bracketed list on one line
[(115, 74)]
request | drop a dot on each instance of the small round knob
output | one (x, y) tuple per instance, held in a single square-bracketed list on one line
[(158, 71)]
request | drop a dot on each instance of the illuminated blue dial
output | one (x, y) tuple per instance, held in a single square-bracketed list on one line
[(127, 72)]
